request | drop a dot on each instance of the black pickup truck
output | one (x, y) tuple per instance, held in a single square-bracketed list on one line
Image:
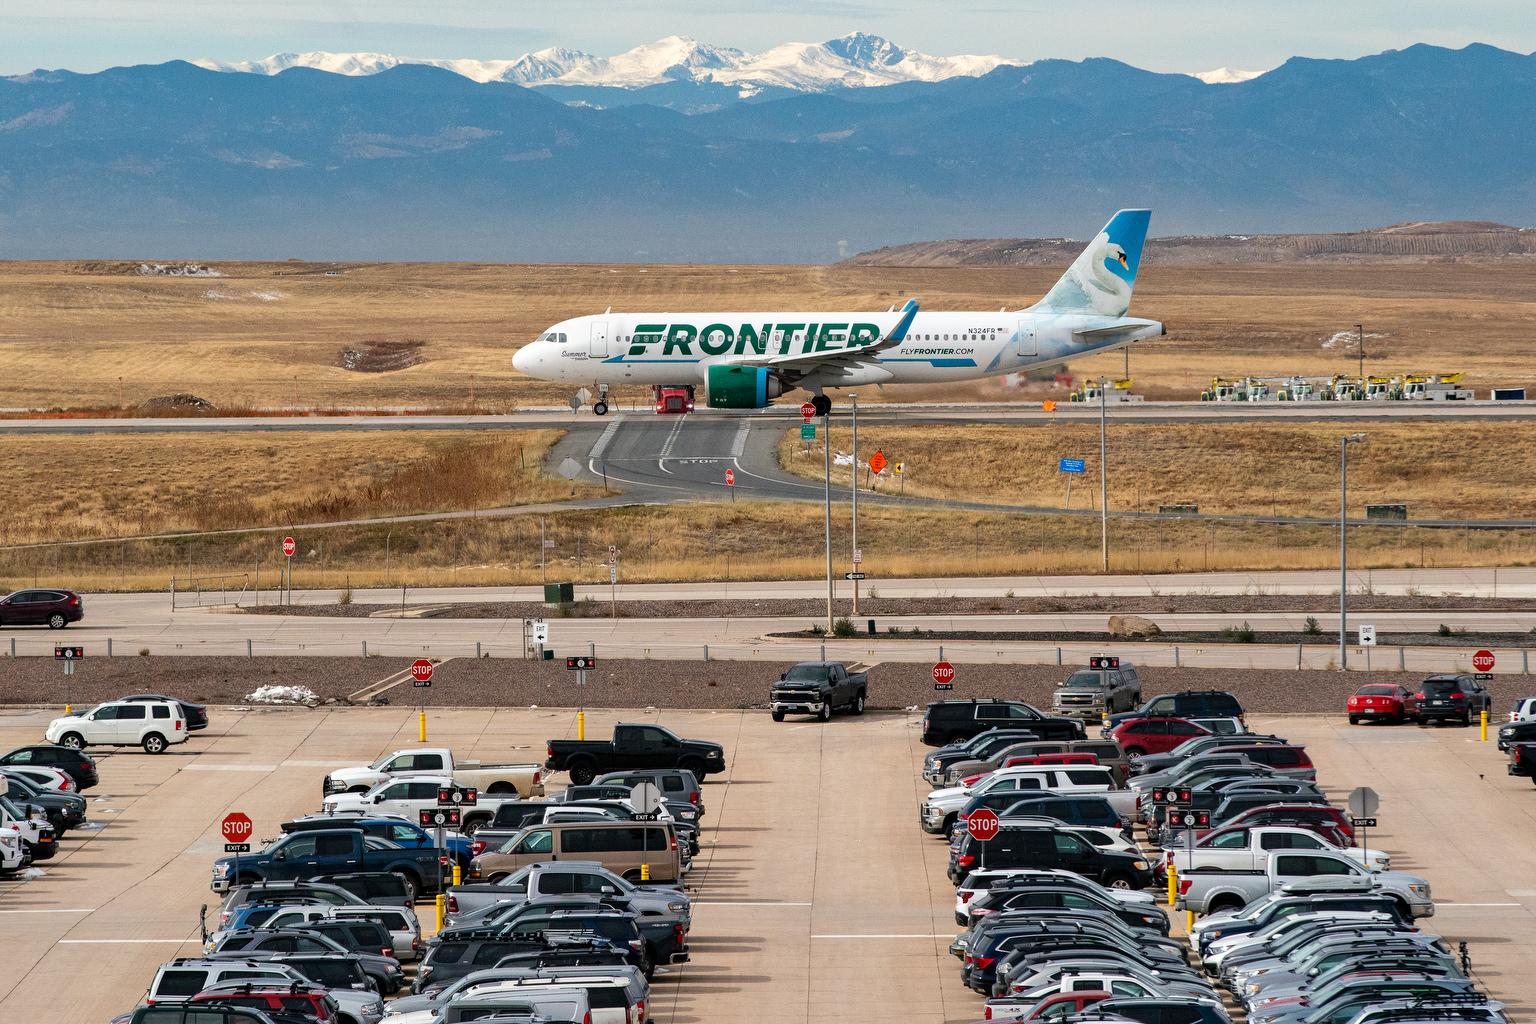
[(818, 688), (1522, 760), (634, 746)]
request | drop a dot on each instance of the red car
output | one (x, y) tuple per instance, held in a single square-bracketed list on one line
[(1158, 735), (1058, 1005), (1382, 701), (304, 1001), (52, 608), (1313, 817), (673, 399)]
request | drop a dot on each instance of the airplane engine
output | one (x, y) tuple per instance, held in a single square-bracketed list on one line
[(742, 387)]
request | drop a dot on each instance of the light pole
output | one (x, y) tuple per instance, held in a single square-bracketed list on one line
[(1103, 477), (855, 477), (826, 440), (1344, 443)]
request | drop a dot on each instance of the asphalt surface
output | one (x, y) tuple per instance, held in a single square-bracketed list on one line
[(829, 905)]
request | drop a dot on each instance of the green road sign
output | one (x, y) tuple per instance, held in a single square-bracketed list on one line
[(808, 432)]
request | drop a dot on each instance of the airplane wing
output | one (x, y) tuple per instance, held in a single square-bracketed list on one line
[(806, 361)]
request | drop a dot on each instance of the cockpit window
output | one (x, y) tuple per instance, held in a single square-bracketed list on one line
[(562, 339)]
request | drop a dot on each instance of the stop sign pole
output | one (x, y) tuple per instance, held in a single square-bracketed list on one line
[(983, 824), (421, 673), (289, 547)]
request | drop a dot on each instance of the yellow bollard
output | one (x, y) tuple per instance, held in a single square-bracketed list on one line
[(421, 723), (645, 872), (1173, 883), (1189, 922), (1484, 725), (581, 725), (458, 873), (442, 906), (69, 710)]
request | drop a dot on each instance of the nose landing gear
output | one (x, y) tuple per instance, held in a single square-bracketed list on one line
[(600, 407)]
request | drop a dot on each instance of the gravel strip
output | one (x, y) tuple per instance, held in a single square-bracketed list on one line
[(501, 682)]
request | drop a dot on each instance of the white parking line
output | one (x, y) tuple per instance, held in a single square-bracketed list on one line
[(892, 935), (1453, 906), (763, 903), (129, 942), (54, 910), (195, 767)]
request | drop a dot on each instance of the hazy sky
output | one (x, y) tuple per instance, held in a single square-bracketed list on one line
[(1164, 35)]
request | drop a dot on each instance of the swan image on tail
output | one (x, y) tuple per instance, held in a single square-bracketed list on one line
[(1100, 280)]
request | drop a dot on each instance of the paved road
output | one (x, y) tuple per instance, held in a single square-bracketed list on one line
[(826, 907), (125, 624)]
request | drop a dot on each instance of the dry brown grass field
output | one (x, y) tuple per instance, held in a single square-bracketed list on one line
[(265, 335), (111, 485), (1461, 470), (726, 542)]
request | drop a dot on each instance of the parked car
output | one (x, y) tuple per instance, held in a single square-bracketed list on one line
[(397, 830), (634, 746), (1106, 686), (1523, 709), (1154, 735), (674, 783), (1185, 704), (306, 1002), (1054, 847), (309, 855), (818, 688), (52, 608), (620, 846), (406, 796), (466, 903), (1459, 698), (195, 714), (79, 766), (1248, 849), (946, 721), (1381, 702), (153, 725), (523, 780), (64, 811), (985, 746), (1206, 890)]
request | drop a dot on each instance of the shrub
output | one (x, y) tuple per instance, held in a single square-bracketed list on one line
[(844, 627), (1239, 634), (1311, 628)]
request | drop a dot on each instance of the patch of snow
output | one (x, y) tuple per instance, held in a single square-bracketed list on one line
[(33, 873), (1226, 76), (282, 695), (267, 296), (176, 270), (1347, 339), (90, 826)]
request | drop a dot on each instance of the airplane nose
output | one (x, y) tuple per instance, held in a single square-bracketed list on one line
[(522, 359)]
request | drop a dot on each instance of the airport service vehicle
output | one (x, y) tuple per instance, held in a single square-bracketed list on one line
[(634, 745), (1054, 847), (818, 688), (1448, 698), (406, 796), (1208, 890), (1154, 735), (1106, 686), (745, 360), (525, 780), (1377, 702), (195, 714), (64, 811), (466, 903), (307, 855), (77, 765), (52, 608), (152, 725), (1184, 704), (946, 721), (673, 400), (1249, 849)]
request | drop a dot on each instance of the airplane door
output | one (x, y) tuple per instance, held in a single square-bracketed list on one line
[(1024, 340), (599, 346)]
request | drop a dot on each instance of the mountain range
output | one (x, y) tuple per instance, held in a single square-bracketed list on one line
[(686, 152)]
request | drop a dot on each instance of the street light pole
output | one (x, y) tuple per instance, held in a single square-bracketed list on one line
[(1360, 336), (855, 476), (826, 440), (1103, 477), (1344, 443)]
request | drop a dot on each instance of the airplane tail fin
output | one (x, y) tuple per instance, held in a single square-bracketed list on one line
[(1100, 280)]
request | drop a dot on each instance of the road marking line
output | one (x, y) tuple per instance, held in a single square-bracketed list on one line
[(119, 942), (53, 910), (602, 442), (891, 935), (739, 445), (666, 447), (731, 903), (1452, 906), (195, 767)]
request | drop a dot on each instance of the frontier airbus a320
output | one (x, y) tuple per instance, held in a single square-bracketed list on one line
[(746, 360)]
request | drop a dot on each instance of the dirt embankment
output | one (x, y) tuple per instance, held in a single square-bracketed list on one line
[(636, 683)]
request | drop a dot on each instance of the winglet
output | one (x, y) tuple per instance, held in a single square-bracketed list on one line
[(899, 333)]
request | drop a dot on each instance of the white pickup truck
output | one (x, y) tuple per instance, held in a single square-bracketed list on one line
[(12, 852), (524, 780), (1248, 849), (406, 796)]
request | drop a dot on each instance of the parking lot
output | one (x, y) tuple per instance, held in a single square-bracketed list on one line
[(817, 898)]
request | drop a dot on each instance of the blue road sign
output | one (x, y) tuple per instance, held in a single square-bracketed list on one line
[(1072, 465)]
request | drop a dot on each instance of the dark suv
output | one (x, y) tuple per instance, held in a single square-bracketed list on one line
[(1053, 847), (1184, 704), (1452, 698), (78, 766), (52, 608), (946, 721)]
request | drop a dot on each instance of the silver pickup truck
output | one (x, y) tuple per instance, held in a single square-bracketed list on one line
[(467, 903), (1209, 891), (1106, 687)]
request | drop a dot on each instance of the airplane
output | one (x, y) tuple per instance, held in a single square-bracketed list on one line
[(746, 360)]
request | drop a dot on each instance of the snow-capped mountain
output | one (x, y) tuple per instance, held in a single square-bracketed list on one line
[(851, 61), (1225, 76)]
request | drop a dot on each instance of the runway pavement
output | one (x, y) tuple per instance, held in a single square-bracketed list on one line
[(816, 897)]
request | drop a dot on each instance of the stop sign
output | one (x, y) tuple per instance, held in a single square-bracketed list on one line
[(1483, 661), (983, 824), (289, 546), (730, 478), (237, 828), (807, 410), (421, 670), (943, 673)]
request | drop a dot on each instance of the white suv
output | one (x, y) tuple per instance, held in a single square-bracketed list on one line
[(153, 725)]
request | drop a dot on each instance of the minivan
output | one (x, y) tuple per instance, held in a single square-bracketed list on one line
[(620, 846)]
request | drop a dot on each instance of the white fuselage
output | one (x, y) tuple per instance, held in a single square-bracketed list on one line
[(678, 348)]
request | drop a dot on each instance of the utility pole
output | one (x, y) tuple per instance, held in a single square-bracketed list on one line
[(855, 476), (1360, 336), (1103, 475), (543, 573), (1344, 443), (826, 440)]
